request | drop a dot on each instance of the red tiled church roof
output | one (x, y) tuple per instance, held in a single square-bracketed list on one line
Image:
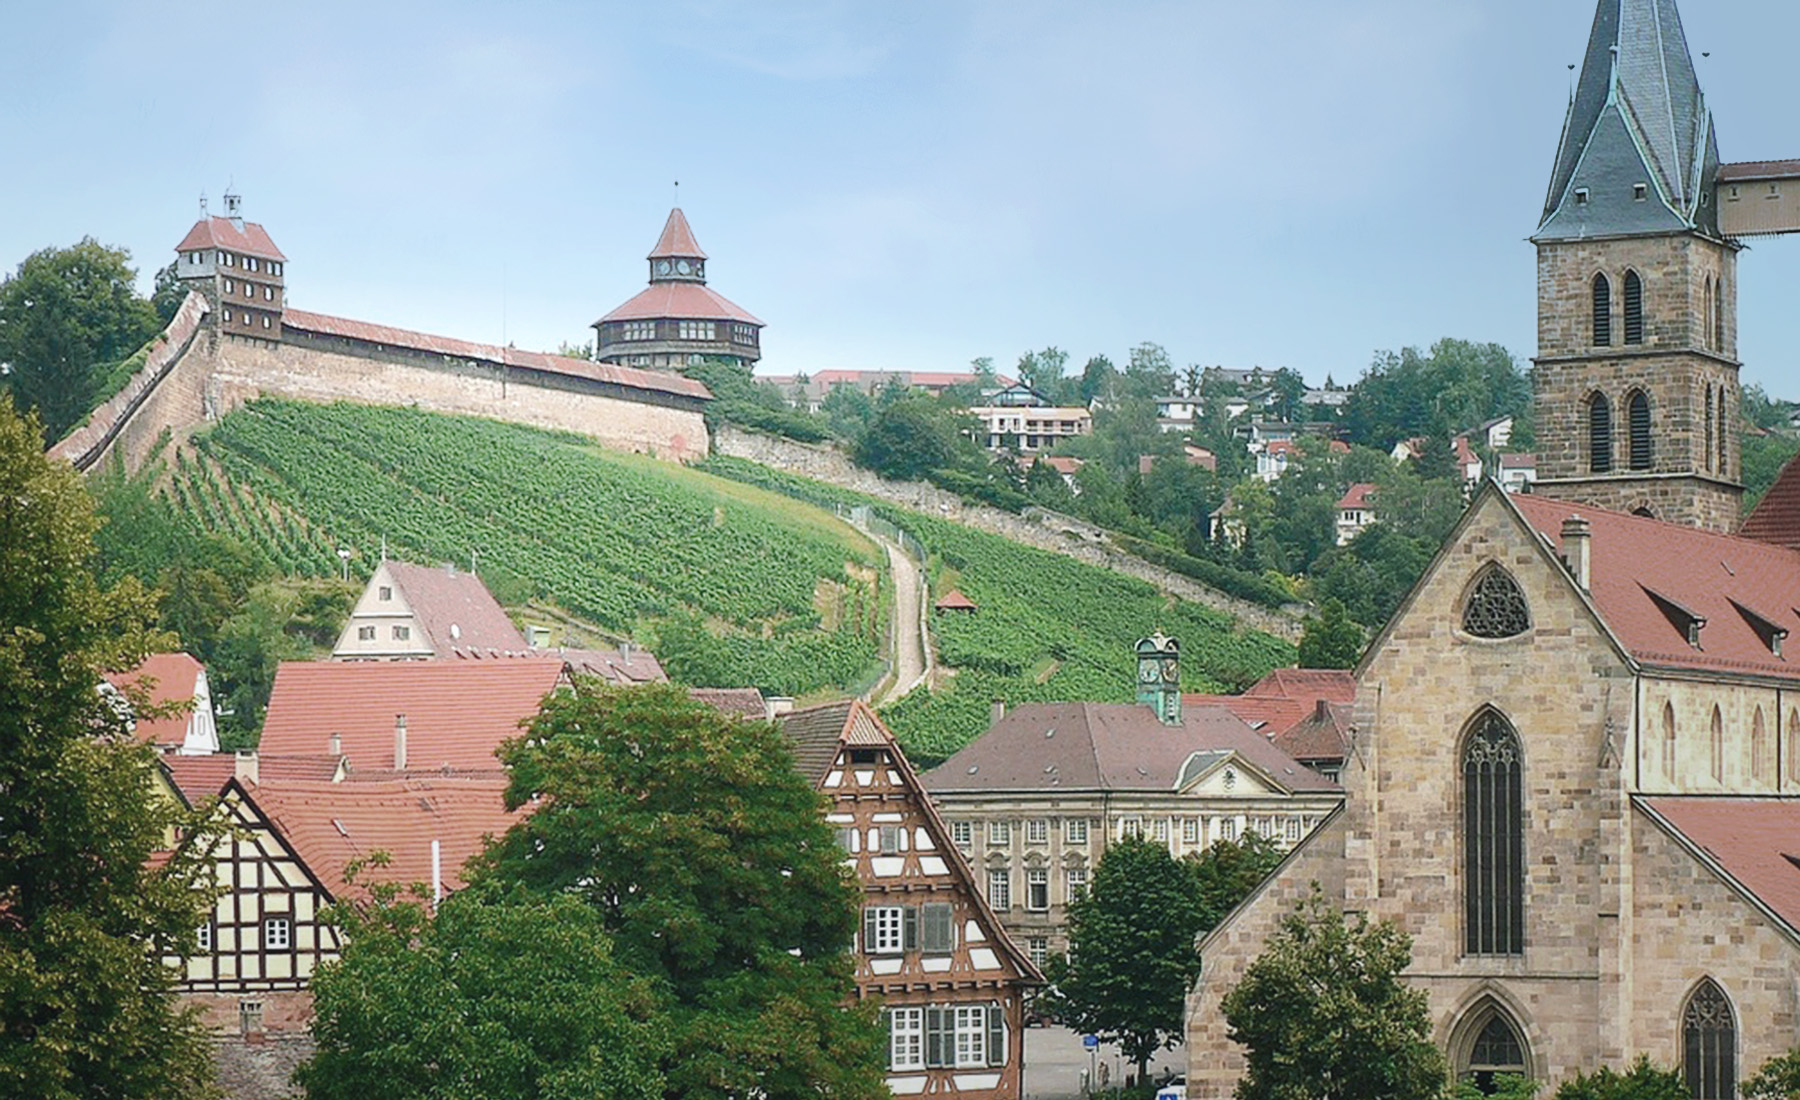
[(677, 240), (457, 712), (1776, 517), (252, 240), (1754, 841), (629, 377), (694, 301)]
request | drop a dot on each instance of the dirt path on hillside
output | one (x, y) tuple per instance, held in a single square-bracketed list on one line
[(906, 627)]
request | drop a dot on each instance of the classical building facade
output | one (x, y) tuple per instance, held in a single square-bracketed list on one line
[(1573, 768), (678, 319)]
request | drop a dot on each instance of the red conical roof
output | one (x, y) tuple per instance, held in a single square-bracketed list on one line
[(677, 240)]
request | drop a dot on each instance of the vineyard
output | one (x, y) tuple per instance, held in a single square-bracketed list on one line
[(1048, 627), (745, 586)]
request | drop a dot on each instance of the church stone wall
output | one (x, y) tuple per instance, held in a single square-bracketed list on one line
[(218, 373), (1692, 704)]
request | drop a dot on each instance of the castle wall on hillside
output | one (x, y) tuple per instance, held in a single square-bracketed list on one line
[(1037, 527), (204, 374)]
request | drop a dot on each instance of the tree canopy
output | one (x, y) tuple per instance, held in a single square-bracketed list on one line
[(66, 315), (1323, 1014), (1643, 1081), (87, 1003)]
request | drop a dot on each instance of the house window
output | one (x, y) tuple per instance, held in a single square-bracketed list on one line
[(1493, 840), (230, 287), (638, 330), (1668, 741), (1719, 314), (1000, 889), (1075, 830), (1634, 308), (1190, 830), (999, 832), (1717, 745), (1602, 311), (277, 934), (385, 592), (203, 938), (972, 1035), (402, 633), (1161, 828), (890, 839), (1228, 828), (1640, 192), (962, 834), (227, 316), (1495, 607), (1037, 889), (1637, 407), (1077, 884), (1709, 1044), (1290, 830), (697, 330), (1581, 196), (1038, 947), (1724, 464), (1759, 748), (1496, 1050), (1037, 831), (250, 1017), (937, 928), (1599, 418), (365, 633), (890, 929), (1131, 826), (846, 838), (906, 1038)]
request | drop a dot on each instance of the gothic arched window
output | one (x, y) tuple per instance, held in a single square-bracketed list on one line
[(1793, 757), (1493, 839), (1668, 743), (1599, 418), (1706, 337), (1709, 1044), (1718, 746), (1495, 607), (1723, 465), (1637, 407), (1718, 290), (1495, 1049), (1602, 311), (1759, 749), (1634, 308)]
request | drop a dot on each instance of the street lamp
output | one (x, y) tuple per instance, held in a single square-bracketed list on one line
[(344, 556)]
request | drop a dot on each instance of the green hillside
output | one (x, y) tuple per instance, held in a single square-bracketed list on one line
[(1048, 627), (733, 584)]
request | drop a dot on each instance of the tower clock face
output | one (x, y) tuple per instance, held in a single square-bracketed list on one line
[(662, 267), (681, 266), (1171, 669), (1147, 671)]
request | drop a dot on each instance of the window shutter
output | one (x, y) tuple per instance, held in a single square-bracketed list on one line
[(934, 1036), (996, 1044), (868, 944), (887, 1025), (909, 928), (937, 936)]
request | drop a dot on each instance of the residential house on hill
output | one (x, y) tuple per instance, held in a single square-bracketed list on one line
[(414, 612), (950, 980), (1036, 800), (1033, 428), (177, 682), (1355, 511)]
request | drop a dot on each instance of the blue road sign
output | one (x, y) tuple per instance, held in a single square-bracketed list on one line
[(1090, 1041)]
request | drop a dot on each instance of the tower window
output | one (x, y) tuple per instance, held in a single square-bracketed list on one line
[(1718, 313), (1634, 308), (1581, 196), (1638, 407), (1710, 450), (1640, 192), (1599, 434), (1709, 1044), (1724, 464), (1602, 311), (1493, 840)]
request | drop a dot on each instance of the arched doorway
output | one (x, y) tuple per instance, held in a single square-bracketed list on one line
[(1492, 1047)]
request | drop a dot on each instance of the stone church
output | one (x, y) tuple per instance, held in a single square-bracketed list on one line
[(1574, 772)]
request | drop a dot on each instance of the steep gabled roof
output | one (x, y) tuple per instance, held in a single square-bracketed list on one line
[(1637, 117), (1776, 517), (1753, 842), (457, 712), (814, 734), (1357, 496), (171, 679), (677, 240), (252, 240), (455, 610)]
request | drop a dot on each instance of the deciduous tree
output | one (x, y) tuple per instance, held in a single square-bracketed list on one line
[(1323, 1014), (1643, 1082), (87, 1004), (1330, 640), (1777, 1079)]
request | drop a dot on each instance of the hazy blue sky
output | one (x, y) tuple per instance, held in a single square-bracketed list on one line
[(906, 184)]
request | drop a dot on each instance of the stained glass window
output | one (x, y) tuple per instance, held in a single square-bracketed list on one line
[(1709, 1044), (1496, 607), (1493, 840)]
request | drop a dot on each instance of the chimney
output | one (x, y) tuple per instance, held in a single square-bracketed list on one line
[(336, 744), (399, 742), (774, 706), (1578, 554), (244, 766), (996, 712)]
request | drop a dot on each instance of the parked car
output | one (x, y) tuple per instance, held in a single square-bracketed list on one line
[(1175, 1088)]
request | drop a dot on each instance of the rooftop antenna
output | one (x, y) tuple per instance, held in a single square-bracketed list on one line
[(678, 193)]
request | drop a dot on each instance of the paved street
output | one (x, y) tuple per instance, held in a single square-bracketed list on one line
[(1055, 1061)]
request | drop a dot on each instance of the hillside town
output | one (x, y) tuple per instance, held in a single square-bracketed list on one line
[(386, 713)]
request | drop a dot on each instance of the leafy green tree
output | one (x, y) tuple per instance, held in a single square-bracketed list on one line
[(1131, 951), (706, 856), (1330, 640), (87, 1004), (1371, 575), (738, 398), (1777, 1079), (1449, 388), (1098, 379), (503, 996), (65, 315), (1643, 1082), (1504, 1086), (1227, 871), (1043, 372), (576, 351), (910, 438), (1323, 1013), (1149, 372), (848, 410), (168, 294), (1763, 456)]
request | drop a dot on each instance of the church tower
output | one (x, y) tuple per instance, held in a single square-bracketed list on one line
[(1637, 372)]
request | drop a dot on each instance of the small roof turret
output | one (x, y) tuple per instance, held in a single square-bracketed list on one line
[(677, 240)]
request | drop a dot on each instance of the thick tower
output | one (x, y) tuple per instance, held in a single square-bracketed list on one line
[(678, 320), (235, 264), (1637, 371)]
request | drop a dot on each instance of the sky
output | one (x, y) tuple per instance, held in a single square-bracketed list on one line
[(906, 184)]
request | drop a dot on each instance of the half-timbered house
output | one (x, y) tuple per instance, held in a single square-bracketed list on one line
[(950, 980)]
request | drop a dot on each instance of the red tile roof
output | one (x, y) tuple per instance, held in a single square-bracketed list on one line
[(1729, 581), (676, 240), (1754, 841), (252, 240), (330, 824), (615, 666), (690, 301), (1357, 496), (1335, 684), (1759, 170), (455, 610), (738, 702), (1108, 746), (954, 600), (1321, 738), (170, 678), (629, 377), (1776, 517), (1284, 698), (1518, 461), (200, 778), (457, 712)]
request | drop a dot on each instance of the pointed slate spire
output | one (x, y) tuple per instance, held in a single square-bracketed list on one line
[(1637, 119)]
